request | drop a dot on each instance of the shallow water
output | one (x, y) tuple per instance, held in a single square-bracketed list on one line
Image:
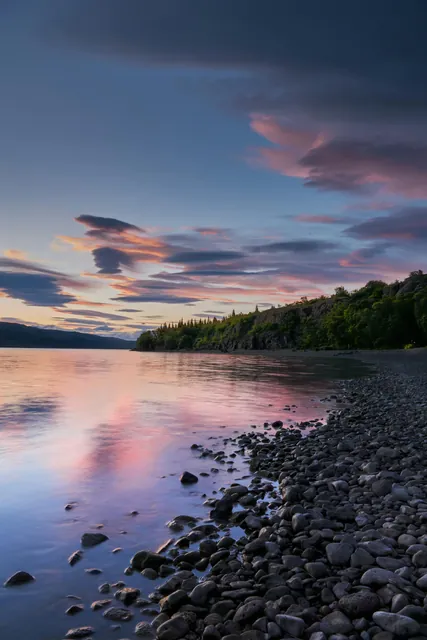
[(112, 430)]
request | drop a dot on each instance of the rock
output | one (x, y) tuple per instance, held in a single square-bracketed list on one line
[(401, 626), (211, 633), (202, 592), (173, 629), (377, 577), (249, 611), (223, 509), (74, 609), (359, 604), (118, 614), (291, 624), (339, 553), (252, 522), (361, 558), (20, 577), (299, 522), (422, 582), (99, 604), (291, 562), (80, 632), (188, 478), (174, 601), (104, 588), (148, 560), (150, 574), (93, 571), (377, 548), (382, 487), (316, 569), (75, 557), (144, 630), (128, 595), (91, 539), (335, 622), (417, 613)]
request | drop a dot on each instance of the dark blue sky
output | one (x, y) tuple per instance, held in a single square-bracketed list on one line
[(258, 151)]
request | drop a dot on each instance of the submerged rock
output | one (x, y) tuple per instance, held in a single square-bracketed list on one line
[(92, 539), (80, 632), (20, 577), (188, 478)]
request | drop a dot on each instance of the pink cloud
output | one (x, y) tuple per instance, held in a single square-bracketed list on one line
[(318, 219), (338, 164)]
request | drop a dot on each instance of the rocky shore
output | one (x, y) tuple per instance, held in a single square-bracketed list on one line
[(335, 523), (328, 541)]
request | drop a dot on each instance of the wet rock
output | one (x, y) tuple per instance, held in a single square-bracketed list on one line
[(144, 630), (118, 614), (173, 629), (188, 478), (202, 592), (74, 609), (93, 571), (150, 574), (104, 588), (75, 557), (20, 577), (148, 560), (92, 539), (80, 632), (128, 595), (100, 604)]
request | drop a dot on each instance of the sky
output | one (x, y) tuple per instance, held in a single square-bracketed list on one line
[(162, 159)]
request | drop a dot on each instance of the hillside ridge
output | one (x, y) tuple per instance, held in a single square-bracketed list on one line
[(377, 316)]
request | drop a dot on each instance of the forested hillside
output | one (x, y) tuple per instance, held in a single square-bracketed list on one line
[(377, 316)]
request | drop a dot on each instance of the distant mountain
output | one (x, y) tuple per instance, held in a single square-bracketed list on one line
[(21, 335)]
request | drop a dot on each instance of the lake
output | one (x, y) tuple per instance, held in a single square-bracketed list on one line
[(112, 431)]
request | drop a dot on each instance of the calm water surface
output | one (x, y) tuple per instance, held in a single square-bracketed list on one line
[(112, 431)]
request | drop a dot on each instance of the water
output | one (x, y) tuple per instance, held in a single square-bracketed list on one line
[(112, 430)]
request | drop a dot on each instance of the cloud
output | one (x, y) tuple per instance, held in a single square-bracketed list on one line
[(130, 310), (210, 231), (156, 297), (36, 285), (94, 314), (339, 88), (294, 246), (318, 219), (343, 164), (113, 225), (208, 315), (33, 289), (365, 255), (110, 261), (195, 257), (334, 60), (408, 224), (16, 254)]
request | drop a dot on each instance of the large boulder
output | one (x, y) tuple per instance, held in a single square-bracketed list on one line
[(148, 560)]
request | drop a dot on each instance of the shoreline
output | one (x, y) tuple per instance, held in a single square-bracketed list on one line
[(335, 523)]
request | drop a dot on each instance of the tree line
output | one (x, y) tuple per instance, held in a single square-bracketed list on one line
[(376, 316)]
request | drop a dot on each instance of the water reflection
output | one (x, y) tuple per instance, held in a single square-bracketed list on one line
[(112, 431)]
